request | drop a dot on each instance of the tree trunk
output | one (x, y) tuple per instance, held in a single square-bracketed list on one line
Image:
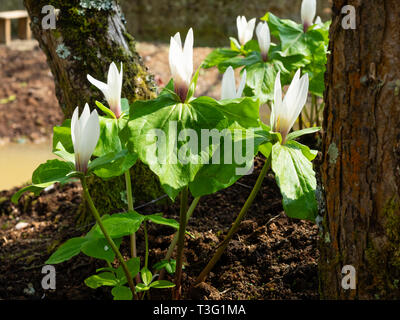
[(89, 35), (361, 153)]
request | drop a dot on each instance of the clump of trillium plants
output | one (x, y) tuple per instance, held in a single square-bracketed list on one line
[(195, 145)]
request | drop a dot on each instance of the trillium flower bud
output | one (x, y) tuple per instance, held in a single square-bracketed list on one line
[(181, 63), (228, 90), (85, 133), (245, 29), (308, 12), (264, 39), (112, 89), (285, 112)]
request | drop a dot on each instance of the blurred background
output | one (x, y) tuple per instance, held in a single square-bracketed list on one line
[(213, 20), (29, 108)]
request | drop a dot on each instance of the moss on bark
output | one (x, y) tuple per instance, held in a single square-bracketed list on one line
[(89, 35)]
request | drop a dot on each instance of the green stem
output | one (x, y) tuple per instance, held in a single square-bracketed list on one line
[(128, 184), (106, 235), (181, 241), (237, 222), (146, 240), (175, 239)]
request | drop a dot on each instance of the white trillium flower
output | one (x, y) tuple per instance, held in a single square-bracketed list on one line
[(308, 12), (112, 89), (264, 39), (181, 62), (85, 133), (285, 112), (245, 29), (228, 90)]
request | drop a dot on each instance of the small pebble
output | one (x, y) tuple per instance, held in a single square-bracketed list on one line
[(21, 225)]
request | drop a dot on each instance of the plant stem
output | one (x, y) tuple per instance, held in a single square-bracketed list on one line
[(129, 196), (106, 235), (175, 239), (128, 184), (146, 240), (237, 222), (181, 241)]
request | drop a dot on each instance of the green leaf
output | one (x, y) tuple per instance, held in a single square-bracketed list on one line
[(217, 56), (140, 287), (101, 279), (225, 168), (146, 276), (60, 151), (106, 110), (120, 163), (52, 171), (66, 251), (307, 152), (121, 293), (296, 179), (109, 140), (261, 78), (46, 175), (125, 106), (133, 265), (266, 149), (295, 134), (99, 248), (167, 137), (291, 35), (36, 189), (245, 111), (156, 218), (120, 224), (62, 134), (192, 86), (162, 284), (169, 265)]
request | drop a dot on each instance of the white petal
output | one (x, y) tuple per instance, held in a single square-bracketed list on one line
[(114, 86), (74, 128), (308, 11), (188, 56), (228, 90), (84, 116), (249, 30), (277, 105), (264, 37), (240, 28), (98, 84), (301, 99), (241, 85), (90, 137)]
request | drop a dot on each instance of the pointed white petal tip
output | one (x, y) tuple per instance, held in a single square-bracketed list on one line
[(308, 12), (285, 112), (85, 132), (112, 89), (228, 87), (181, 62), (245, 29)]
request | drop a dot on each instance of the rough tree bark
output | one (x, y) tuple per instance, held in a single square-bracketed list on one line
[(89, 35), (361, 153)]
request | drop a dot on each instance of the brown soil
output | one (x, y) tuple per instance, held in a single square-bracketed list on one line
[(271, 257)]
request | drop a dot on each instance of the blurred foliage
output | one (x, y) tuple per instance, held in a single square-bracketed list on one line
[(212, 20), (11, 5)]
